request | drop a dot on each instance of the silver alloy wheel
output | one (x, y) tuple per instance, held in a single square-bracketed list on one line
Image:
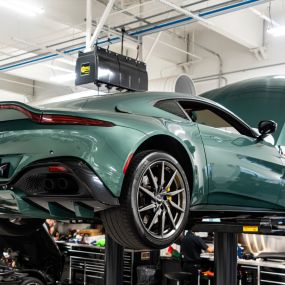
[(161, 199)]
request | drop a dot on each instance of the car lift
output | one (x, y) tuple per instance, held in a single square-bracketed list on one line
[(114, 262), (225, 246)]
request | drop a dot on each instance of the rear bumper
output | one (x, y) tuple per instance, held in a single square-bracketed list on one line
[(76, 192)]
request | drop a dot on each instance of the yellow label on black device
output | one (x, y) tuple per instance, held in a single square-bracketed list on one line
[(250, 229), (85, 69)]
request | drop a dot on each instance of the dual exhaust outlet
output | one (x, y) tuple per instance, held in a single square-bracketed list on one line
[(56, 184)]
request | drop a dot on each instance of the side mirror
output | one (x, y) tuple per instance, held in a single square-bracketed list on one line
[(266, 128)]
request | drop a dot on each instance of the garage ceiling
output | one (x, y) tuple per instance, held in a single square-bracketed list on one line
[(33, 47)]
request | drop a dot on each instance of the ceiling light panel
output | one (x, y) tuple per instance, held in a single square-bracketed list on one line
[(277, 31), (63, 78), (21, 7)]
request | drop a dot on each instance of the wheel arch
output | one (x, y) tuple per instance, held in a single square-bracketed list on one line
[(173, 147)]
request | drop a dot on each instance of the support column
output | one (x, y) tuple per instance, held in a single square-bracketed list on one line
[(88, 22), (114, 262), (100, 24), (225, 258)]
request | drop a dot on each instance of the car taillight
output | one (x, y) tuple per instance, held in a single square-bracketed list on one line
[(57, 119), (56, 168), (71, 120)]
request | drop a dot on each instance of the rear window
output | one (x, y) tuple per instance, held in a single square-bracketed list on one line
[(172, 107)]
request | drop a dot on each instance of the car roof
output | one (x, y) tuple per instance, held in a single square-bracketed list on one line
[(129, 102), (121, 97), (137, 103)]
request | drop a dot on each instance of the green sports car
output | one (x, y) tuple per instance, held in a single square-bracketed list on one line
[(143, 161)]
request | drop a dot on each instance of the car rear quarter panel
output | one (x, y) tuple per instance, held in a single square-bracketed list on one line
[(104, 149)]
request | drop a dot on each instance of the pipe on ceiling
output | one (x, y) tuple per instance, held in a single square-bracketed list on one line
[(141, 32)]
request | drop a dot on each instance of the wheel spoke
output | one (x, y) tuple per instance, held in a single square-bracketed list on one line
[(170, 216), (148, 207), (161, 199), (171, 179), (158, 212), (174, 205), (153, 179), (149, 193), (163, 222), (162, 175), (173, 193)]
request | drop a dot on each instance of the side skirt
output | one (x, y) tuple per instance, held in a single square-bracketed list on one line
[(218, 210)]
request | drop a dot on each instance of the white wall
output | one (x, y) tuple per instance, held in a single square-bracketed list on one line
[(11, 96), (238, 62), (15, 88), (234, 58)]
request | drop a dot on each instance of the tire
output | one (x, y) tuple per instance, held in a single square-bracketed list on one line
[(32, 281), (146, 204), (19, 227)]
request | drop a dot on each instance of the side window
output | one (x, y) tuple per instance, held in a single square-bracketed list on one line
[(171, 106), (202, 114)]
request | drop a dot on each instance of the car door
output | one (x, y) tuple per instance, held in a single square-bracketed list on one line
[(242, 171)]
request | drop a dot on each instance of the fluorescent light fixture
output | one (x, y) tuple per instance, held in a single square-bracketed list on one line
[(55, 67), (277, 31), (211, 220), (279, 77), (70, 97), (63, 78), (67, 61), (77, 95), (264, 17), (21, 7)]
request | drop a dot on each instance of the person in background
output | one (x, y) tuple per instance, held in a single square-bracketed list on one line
[(52, 228), (191, 249)]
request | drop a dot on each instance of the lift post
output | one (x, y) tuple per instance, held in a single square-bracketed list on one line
[(225, 258), (114, 254), (225, 247), (226, 231)]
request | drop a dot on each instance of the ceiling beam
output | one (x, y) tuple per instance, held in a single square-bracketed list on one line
[(149, 53), (47, 49), (166, 24), (100, 25), (212, 26), (88, 21)]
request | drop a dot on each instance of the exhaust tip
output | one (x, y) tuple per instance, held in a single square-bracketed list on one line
[(49, 185), (62, 184)]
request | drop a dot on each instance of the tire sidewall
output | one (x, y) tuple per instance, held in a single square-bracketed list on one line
[(29, 280), (133, 189)]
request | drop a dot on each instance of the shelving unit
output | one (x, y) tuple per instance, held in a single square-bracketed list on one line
[(87, 264)]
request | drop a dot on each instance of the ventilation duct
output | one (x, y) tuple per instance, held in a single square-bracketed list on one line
[(181, 84)]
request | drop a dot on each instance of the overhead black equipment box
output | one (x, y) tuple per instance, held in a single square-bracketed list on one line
[(104, 67)]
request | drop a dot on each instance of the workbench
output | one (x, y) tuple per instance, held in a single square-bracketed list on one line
[(263, 272)]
